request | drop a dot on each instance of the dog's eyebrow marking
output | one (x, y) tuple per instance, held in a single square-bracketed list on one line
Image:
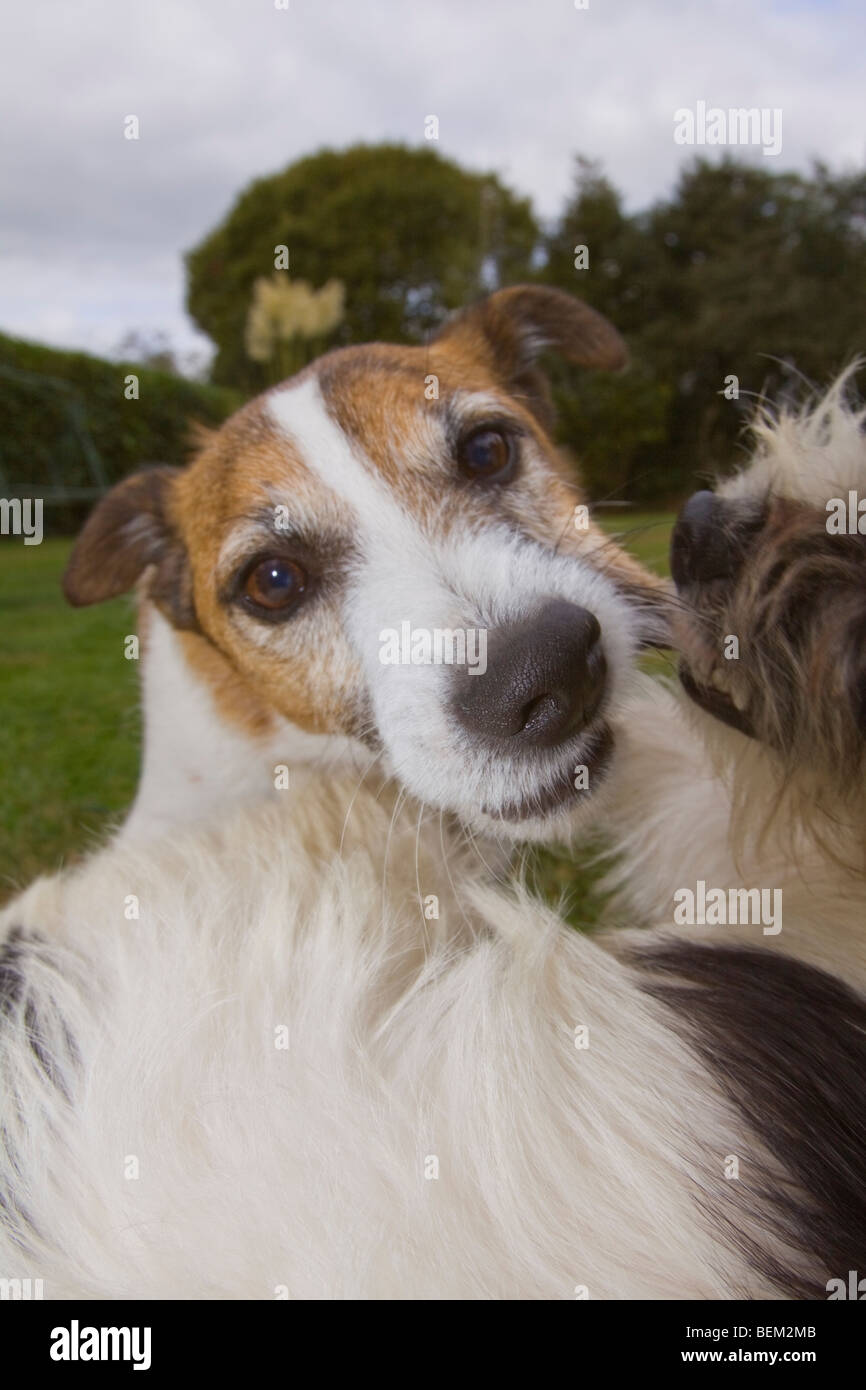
[(254, 529), (467, 406), (301, 413)]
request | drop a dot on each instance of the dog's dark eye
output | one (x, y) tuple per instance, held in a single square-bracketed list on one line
[(275, 585), (486, 454)]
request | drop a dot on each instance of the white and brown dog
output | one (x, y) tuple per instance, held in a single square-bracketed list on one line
[(385, 490), (303, 1045)]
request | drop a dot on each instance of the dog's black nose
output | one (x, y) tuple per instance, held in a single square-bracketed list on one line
[(700, 546), (545, 679), (712, 536)]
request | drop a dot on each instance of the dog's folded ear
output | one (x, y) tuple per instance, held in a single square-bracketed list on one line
[(129, 531), (512, 328)]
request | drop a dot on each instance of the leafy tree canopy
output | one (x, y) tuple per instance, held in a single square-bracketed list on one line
[(741, 272), (410, 234)]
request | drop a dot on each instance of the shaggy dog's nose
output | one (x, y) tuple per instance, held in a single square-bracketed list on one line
[(700, 542), (711, 537), (544, 681)]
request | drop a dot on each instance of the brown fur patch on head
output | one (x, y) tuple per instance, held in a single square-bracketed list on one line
[(226, 504)]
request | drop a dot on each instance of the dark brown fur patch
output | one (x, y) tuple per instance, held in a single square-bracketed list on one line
[(786, 1044)]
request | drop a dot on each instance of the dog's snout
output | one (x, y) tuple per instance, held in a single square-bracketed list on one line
[(545, 679), (711, 538), (701, 541)]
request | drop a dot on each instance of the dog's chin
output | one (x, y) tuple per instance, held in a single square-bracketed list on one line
[(551, 810), (716, 702)]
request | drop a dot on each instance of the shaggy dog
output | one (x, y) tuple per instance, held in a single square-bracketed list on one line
[(759, 782), (311, 1049)]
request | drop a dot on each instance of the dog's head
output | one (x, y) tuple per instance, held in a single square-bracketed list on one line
[(388, 547), (773, 577)]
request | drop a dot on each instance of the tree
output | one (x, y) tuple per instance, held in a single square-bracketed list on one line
[(410, 234), (764, 279), (743, 272), (616, 424)]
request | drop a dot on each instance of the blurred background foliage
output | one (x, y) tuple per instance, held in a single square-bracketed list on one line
[(740, 271), (68, 431), (410, 234)]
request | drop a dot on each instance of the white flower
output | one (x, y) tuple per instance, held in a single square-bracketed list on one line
[(283, 309)]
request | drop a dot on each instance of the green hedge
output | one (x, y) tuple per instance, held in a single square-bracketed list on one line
[(66, 428)]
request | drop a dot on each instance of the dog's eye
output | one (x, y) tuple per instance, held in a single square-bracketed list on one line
[(486, 454), (275, 584)]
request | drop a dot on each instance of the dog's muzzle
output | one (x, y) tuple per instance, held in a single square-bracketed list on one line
[(709, 544), (711, 539)]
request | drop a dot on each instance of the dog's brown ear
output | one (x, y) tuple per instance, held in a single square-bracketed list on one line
[(129, 530), (511, 328)]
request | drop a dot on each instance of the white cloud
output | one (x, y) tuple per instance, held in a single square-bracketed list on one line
[(93, 226)]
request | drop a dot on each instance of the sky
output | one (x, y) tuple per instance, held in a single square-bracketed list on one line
[(93, 226)]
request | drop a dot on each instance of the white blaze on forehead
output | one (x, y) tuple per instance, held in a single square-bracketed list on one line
[(301, 414), (400, 570)]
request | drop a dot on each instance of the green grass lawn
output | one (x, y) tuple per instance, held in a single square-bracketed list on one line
[(69, 722), (69, 726)]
